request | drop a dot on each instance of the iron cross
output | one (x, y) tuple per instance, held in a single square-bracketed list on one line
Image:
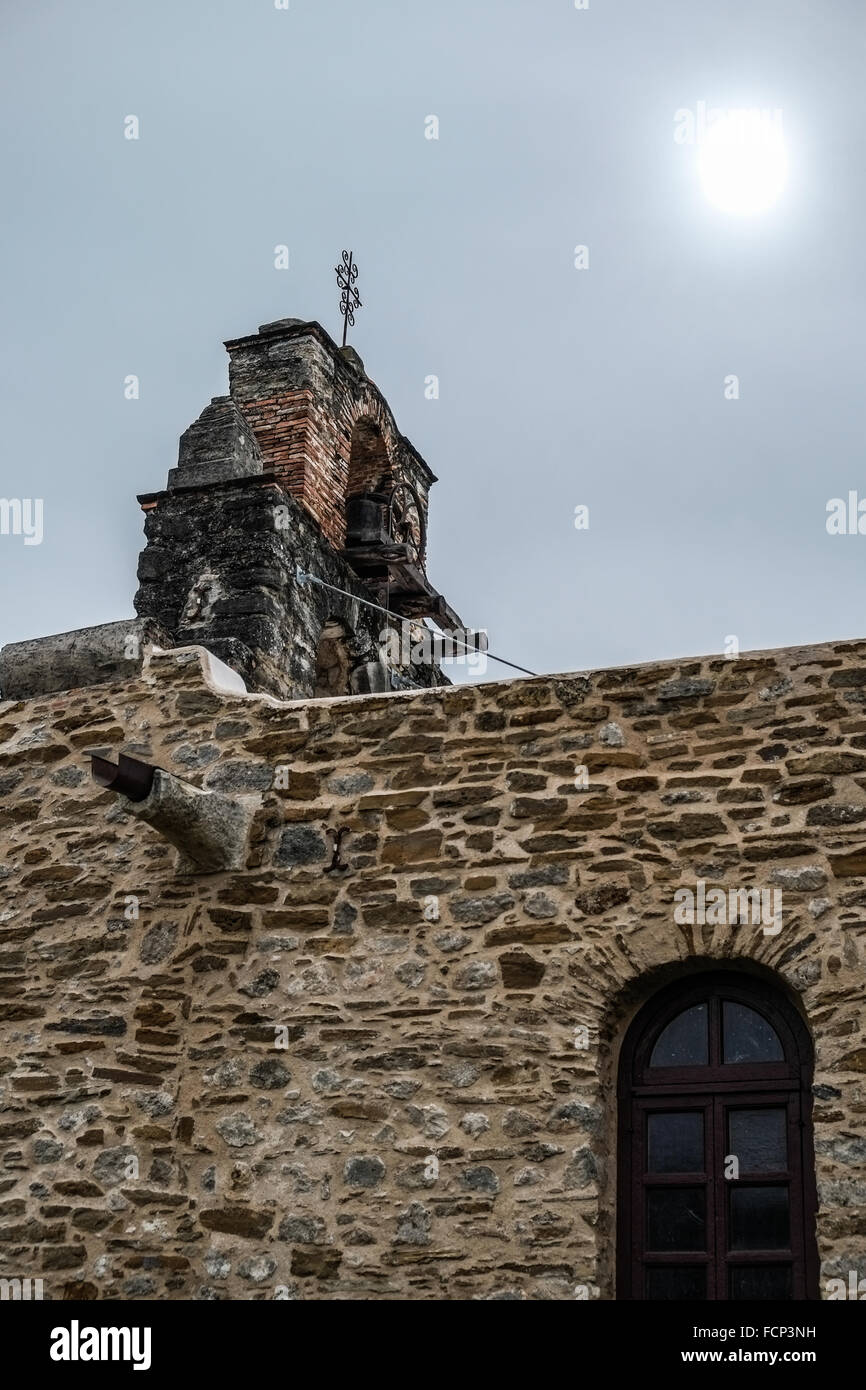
[(350, 300)]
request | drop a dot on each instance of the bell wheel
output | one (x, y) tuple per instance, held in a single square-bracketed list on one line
[(406, 520)]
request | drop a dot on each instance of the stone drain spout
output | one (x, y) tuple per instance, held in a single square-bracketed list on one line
[(210, 830)]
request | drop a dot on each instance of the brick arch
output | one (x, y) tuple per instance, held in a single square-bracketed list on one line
[(370, 466), (310, 408)]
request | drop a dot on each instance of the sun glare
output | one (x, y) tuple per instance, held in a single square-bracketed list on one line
[(743, 163)]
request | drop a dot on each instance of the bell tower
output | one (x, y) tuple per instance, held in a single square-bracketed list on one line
[(297, 511)]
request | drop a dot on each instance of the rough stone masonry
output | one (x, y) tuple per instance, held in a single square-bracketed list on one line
[(291, 995), (347, 1068)]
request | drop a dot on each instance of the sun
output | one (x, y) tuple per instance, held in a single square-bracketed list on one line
[(743, 163)]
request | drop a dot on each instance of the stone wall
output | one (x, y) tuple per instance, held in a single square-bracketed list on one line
[(424, 1126)]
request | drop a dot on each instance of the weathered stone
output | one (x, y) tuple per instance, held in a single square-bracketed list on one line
[(460, 1074), (401, 1059), (528, 934), (262, 984), (432, 1120), (450, 941), (413, 848), (848, 865), (582, 1171), (403, 1089), (800, 793), (540, 877), (834, 761), (155, 1103), (853, 677), (477, 974), (107, 1026), (685, 689), (477, 911), (85, 657), (316, 1263), (481, 1179), (413, 1225), (835, 815), (540, 905), (411, 973), (363, 1172), (799, 880), (90, 1219), (238, 1130), (525, 782), (300, 844), (816, 907), (520, 971), (474, 1123), (575, 1114), (47, 1151), (257, 1269), (270, 1074), (237, 1221), (239, 777), (415, 1176), (537, 807), (601, 897), (158, 943), (518, 1124), (349, 783), (115, 1165), (696, 826), (302, 1230)]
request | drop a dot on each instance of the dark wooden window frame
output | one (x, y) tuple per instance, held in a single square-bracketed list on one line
[(711, 1088)]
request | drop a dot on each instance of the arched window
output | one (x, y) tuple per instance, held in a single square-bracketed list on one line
[(716, 1171)]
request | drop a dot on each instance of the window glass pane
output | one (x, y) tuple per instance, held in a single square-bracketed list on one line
[(669, 1281), (759, 1140), (761, 1281), (675, 1218), (748, 1037), (759, 1218), (675, 1143), (684, 1042)]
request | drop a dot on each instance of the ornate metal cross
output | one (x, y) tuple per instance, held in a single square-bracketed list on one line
[(350, 300)]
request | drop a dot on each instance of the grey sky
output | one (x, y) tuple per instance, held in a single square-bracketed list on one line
[(558, 387)]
